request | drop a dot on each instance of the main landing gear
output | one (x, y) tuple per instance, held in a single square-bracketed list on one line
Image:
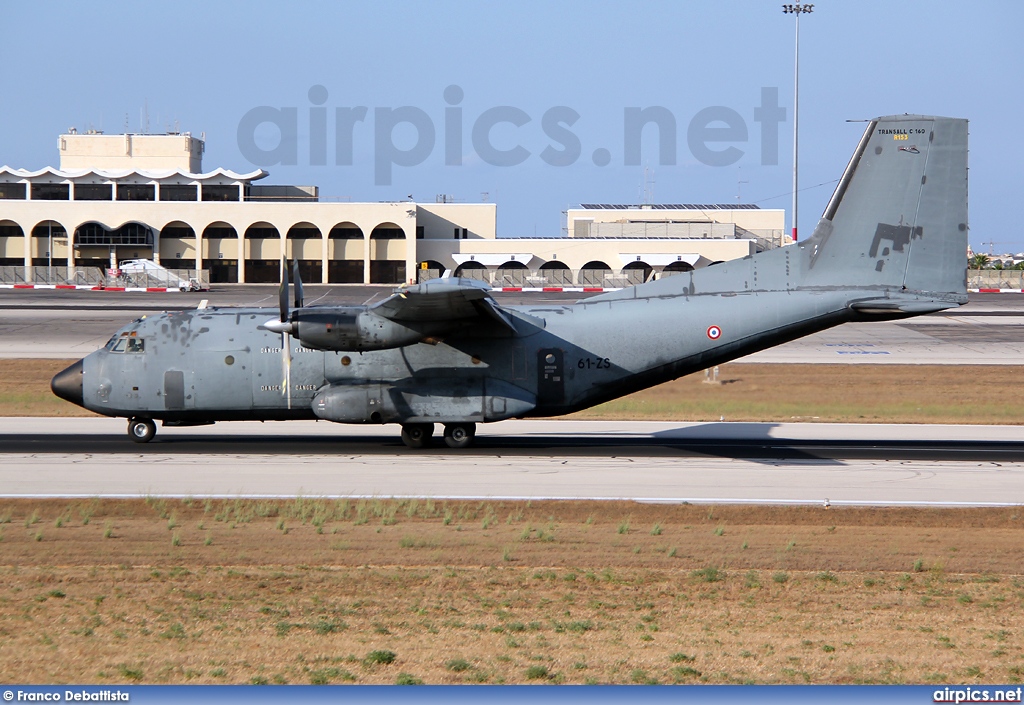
[(417, 435), (141, 430), (459, 435), (456, 435)]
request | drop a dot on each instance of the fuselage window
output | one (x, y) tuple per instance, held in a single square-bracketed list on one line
[(136, 345)]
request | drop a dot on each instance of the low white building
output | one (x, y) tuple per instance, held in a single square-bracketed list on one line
[(117, 197)]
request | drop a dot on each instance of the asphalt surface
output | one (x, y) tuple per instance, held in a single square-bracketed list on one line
[(662, 462)]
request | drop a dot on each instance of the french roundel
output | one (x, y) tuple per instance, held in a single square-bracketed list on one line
[(714, 332)]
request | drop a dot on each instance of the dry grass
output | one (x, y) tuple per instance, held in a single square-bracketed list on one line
[(748, 392), (25, 389), (955, 394), (305, 591)]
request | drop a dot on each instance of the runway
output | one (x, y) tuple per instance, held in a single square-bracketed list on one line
[(643, 461), (658, 462), (987, 331)]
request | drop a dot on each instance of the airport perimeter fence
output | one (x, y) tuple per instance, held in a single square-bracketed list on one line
[(188, 279), (97, 277), (77, 276), (1006, 279), (551, 278), (995, 279), (515, 278)]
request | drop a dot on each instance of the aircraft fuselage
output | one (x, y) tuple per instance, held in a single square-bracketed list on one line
[(217, 364)]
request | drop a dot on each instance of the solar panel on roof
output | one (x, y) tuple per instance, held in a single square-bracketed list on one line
[(671, 206)]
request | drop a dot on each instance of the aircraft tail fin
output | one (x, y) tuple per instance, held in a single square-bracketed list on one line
[(898, 217), (896, 225)]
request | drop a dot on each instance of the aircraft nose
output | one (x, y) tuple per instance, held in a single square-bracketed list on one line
[(67, 384)]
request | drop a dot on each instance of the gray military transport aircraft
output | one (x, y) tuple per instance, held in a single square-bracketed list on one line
[(892, 243)]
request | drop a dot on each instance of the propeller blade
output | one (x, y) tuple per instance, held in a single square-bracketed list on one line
[(298, 283), (286, 363), (282, 293)]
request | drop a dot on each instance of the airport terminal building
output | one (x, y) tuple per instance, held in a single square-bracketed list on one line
[(134, 196)]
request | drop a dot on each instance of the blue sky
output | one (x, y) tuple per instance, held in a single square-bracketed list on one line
[(206, 65)]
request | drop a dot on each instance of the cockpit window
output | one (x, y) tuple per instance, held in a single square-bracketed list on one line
[(129, 345)]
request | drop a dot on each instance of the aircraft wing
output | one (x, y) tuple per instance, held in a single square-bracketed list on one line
[(446, 299)]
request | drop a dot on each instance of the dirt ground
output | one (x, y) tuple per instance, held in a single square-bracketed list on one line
[(382, 591), (746, 392)]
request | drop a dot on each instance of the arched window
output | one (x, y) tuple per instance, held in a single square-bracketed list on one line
[(220, 256), (262, 254), (511, 274), (677, 267), (433, 270), (473, 270), (637, 272), (593, 274), (345, 248), (556, 273), (387, 254)]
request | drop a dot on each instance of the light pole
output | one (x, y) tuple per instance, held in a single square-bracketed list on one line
[(796, 10)]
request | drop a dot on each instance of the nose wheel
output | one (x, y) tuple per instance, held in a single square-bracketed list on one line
[(417, 435), (459, 435), (141, 430)]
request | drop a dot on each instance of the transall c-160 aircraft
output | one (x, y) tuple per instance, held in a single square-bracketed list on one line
[(892, 243)]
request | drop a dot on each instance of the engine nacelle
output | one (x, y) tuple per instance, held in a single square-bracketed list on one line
[(351, 330), (447, 401)]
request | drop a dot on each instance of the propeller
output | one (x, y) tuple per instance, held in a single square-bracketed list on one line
[(282, 293), (285, 326), (298, 283)]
